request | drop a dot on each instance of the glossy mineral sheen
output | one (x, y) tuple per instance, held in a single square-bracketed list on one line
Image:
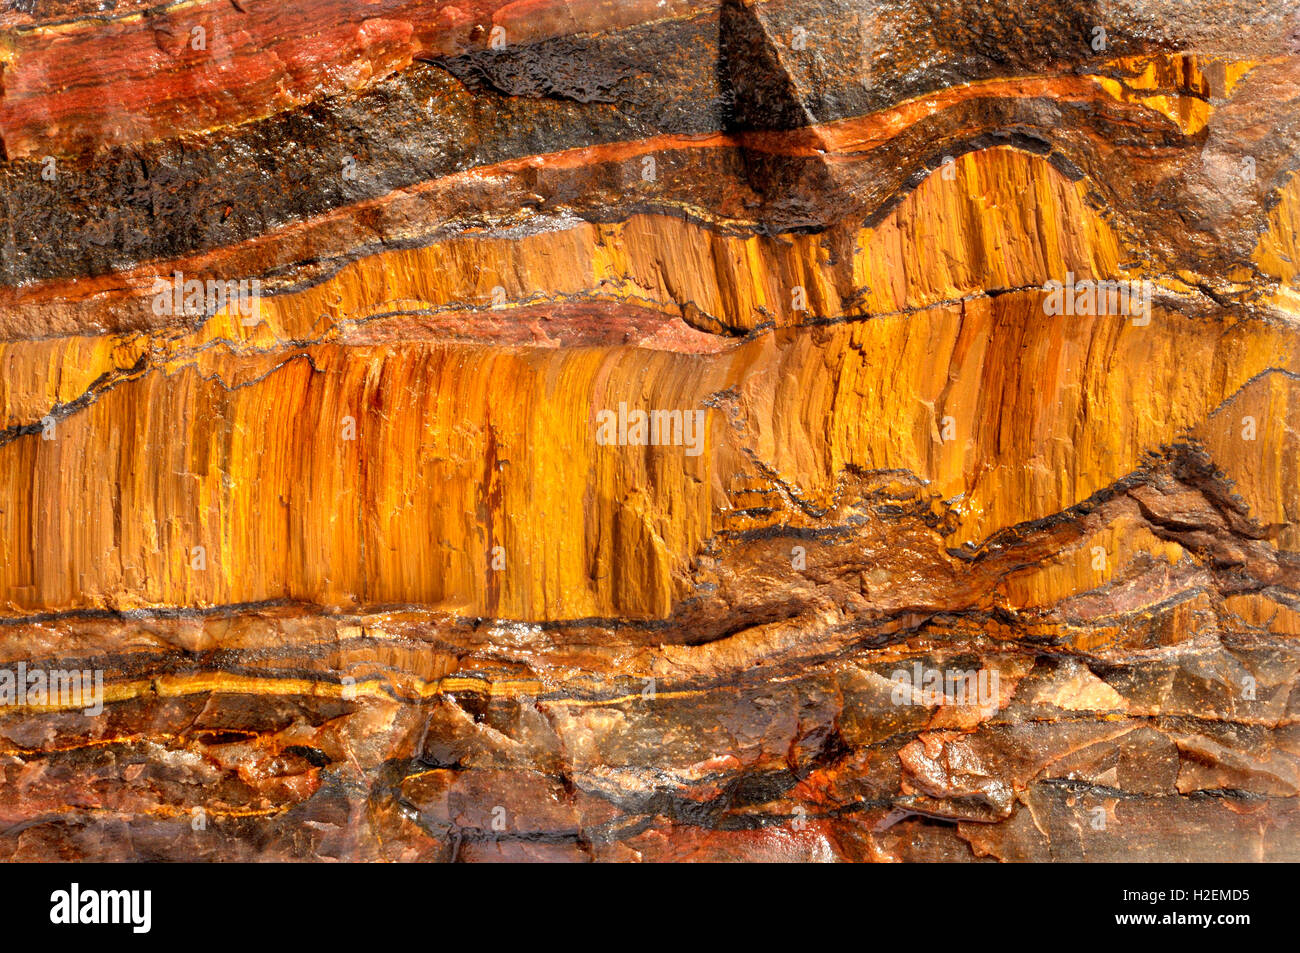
[(706, 430)]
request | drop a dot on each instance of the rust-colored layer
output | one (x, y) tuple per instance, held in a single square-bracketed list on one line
[(361, 571)]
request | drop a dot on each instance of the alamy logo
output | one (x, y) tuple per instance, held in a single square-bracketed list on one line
[(1127, 297), (75, 906), (63, 688), (190, 296), (932, 687), (656, 428)]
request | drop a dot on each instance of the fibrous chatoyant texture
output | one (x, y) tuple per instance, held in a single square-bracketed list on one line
[(794, 429)]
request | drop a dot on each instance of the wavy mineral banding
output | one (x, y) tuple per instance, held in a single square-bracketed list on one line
[(188, 67), (341, 151), (358, 577), (444, 460)]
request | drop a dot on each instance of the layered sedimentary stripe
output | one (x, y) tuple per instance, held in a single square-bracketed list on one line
[(192, 66), (433, 456), (364, 577), (173, 197), (280, 713)]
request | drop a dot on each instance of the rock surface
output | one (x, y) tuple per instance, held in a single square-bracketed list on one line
[(325, 327)]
